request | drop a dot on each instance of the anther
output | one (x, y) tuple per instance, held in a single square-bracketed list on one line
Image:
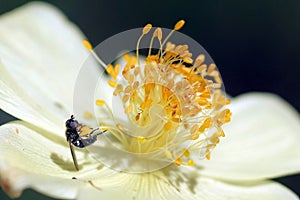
[(87, 45), (179, 25), (146, 29), (100, 102)]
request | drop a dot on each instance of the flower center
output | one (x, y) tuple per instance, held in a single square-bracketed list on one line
[(169, 105)]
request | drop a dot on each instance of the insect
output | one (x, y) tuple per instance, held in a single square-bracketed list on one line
[(80, 136)]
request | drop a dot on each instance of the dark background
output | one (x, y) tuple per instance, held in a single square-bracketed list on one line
[(255, 44)]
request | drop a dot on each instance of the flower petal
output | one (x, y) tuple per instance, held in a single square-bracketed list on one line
[(32, 160), (91, 193), (262, 141), (217, 190), (41, 55), (42, 162), (14, 181), (178, 185)]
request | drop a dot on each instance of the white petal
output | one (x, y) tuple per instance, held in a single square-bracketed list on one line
[(13, 181), (200, 187), (179, 185), (41, 55), (209, 189), (91, 193), (262, 141), (30, 160)]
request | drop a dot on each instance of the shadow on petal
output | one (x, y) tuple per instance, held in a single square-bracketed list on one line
[(66, 165), (178, 176)]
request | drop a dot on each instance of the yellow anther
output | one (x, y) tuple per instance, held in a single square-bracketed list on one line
[(227, 115), (215, 138), (168, 126), (146, 104), (104, 127), (179, 25), (176, 119), (113, 72), (206, 124), (135, 84), (186, 153), (100, 102), (222, 133), (128, 109), (131, 60), (117, 69), (205, 94), (147, 28), (126, 57), (227, 101), (223, 117), (195, 136), (118, 89), (211, 68), (141, 139), (178, 161), (87, 45), (188, 60), (158, 33), (199, 60), (208, 106), (125, 98), (88, 115), (207, 155), (128, 89), (112, 83), (190, 163), (125, 71), (109, 69), (202, 102)]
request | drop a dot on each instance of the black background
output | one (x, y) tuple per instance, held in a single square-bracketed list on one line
[(255, 44)]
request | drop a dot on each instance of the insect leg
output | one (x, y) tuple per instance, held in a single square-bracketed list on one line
[(74, 156)]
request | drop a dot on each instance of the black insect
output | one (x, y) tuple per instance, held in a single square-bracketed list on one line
[(80, 136)]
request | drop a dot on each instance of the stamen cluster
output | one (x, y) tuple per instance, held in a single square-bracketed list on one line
[(175, 105)]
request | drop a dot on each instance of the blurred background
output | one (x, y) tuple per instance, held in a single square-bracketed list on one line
[(255, 44)]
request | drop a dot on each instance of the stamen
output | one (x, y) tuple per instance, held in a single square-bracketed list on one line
[(178, 161), (112, 83), (190, 163), (186, 153), (146, 30), (157, 33), (177, 27), (208, 155), (104, 127), (89, 47), (100, 102)]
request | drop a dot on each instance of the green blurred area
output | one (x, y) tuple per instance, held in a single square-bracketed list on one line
[(27, 195)]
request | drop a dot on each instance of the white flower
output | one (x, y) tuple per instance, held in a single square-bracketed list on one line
[(40, 56)]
